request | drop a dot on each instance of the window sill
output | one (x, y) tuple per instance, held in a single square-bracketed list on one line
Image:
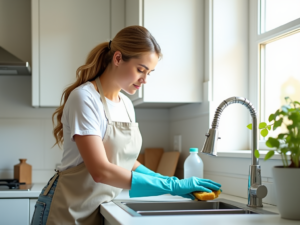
[(246, 154)]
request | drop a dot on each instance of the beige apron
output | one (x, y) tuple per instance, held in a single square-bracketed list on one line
[(77, 196)]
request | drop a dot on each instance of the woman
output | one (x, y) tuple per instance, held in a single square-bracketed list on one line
[(101, 140)]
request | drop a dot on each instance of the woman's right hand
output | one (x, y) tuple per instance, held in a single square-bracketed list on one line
[(185, 187), (143, 185)]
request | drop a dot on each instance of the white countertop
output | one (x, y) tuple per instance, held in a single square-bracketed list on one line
[(33, 193), (116, 215)]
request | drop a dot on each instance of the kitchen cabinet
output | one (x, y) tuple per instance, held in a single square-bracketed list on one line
[(14, 211), (31, 207), (63, 33), (178, 27), (24, 208)]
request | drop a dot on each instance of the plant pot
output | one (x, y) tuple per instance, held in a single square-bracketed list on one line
[(287, 184)]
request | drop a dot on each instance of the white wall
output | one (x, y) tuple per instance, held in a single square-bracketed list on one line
[(191, 122)]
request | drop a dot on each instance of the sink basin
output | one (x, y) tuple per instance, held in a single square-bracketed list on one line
[(220, 206)]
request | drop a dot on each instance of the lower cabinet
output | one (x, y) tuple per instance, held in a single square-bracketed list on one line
[(14, 211), (31, 207)]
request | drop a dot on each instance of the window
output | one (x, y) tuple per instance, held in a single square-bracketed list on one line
[(275, 13), (279, 59), (281, 75)]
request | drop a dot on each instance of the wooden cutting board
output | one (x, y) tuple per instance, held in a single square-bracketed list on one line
[(152, 157), (168, 163)]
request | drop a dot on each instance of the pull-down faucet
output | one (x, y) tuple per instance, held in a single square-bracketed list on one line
[(256, 191)]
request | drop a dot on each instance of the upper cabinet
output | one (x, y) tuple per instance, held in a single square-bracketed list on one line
[(63, 33), (178, 27)]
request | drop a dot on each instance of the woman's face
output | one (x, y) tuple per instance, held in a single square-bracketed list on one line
[(133, 74)]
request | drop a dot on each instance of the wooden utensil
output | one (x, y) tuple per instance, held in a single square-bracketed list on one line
[(141, 158), (152, 157), (168, 163)]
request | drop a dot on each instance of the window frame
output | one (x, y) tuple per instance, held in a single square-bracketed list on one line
[(257, 43)]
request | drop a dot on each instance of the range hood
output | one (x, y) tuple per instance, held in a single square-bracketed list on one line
[(12, 65)]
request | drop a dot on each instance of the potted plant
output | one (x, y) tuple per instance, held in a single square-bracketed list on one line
[(287, 144)]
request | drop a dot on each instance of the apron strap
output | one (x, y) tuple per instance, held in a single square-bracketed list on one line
[(103, 100), (50, 184), (126, 109), (106, 111)]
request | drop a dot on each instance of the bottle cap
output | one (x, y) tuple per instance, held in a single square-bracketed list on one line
[(193, 149)]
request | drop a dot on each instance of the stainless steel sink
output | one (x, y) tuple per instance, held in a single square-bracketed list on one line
[(220, 206)]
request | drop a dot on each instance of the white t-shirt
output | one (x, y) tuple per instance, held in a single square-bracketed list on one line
[(83, 114)]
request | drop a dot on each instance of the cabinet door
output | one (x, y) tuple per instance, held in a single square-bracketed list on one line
[(14, 211), (31, 207), (134, 16), (179, 30), (68, 30)]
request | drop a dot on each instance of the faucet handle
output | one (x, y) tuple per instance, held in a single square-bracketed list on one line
[(259, 191), (207, 135)]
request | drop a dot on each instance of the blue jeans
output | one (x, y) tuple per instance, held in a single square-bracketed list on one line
[(42, 206)]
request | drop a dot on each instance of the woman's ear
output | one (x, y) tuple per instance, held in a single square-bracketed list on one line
[(117, 58)]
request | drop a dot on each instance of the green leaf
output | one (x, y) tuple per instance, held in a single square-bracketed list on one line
[(284, 150), (295, 117), (290, 127), (277, 123), (292, 109), (250, 126), (269, 155), (264, 132), (269, 127), (256, 153), (281, 136), (272, 143), (296, 103), (271, 117), (262, 125), (283, 112)]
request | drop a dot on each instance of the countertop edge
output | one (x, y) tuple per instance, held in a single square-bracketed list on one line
[(116, 215), (33, 193)]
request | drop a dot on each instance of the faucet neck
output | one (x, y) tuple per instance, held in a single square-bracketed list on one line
[(250, 107)]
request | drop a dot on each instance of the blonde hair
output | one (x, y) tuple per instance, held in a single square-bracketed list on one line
[(132, 42)]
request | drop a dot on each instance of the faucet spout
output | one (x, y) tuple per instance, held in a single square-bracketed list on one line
[(256, 191)]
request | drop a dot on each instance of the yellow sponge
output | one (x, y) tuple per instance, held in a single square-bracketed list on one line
[(202, 196)]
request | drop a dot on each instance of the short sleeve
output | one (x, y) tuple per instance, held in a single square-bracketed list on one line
[(82, 114)]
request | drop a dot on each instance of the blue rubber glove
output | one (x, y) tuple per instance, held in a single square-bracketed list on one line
[(142, 169), (143, 185)]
